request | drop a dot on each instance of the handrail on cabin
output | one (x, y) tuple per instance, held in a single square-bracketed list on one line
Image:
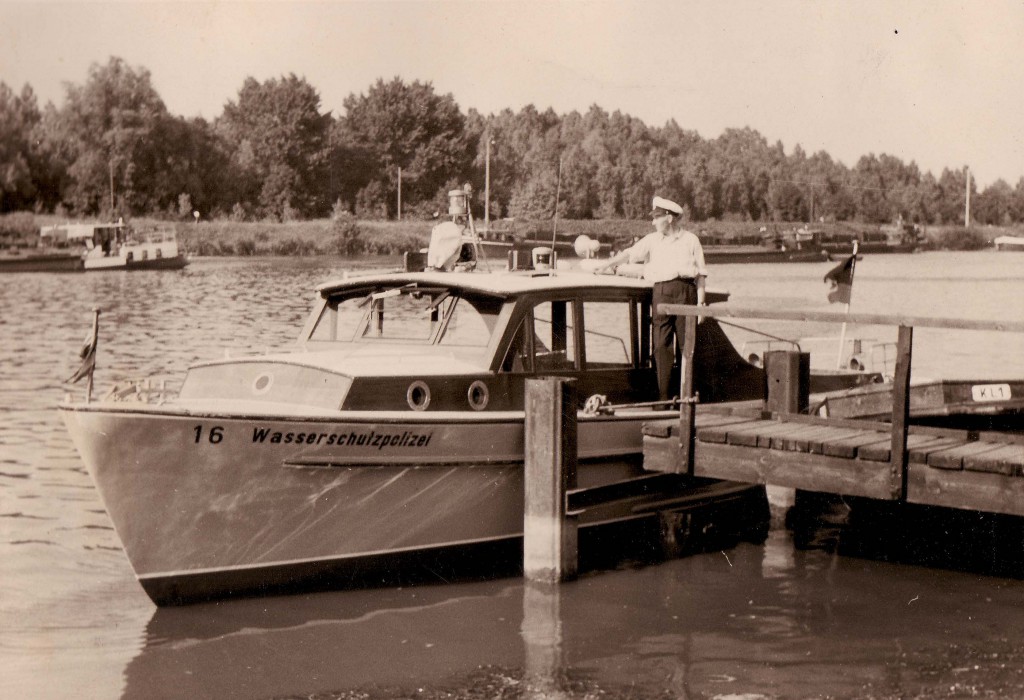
[(725, 311)]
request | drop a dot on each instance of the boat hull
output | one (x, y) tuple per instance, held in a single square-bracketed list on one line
[(175, 262), (57, 262), (206, 508)]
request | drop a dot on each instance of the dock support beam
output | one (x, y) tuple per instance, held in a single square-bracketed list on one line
[(687, 397), (787, 375), (901, 413), (550, 542)]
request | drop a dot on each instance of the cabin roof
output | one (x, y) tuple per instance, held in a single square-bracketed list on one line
[(497, 283)]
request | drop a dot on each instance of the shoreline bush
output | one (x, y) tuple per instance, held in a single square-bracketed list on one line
[(345, 235)]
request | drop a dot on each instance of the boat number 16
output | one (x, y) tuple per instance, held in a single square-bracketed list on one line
[(215, 435)]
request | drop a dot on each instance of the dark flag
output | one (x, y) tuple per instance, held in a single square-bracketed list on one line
[(87, 354), (841, 279)]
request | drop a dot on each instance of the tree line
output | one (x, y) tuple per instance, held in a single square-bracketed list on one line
[(113, 149)]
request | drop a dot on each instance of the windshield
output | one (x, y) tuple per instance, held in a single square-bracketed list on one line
[(408, 314)]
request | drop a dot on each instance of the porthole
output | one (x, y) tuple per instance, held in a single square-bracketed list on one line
[(262, 384), (478, 395), (418, 395)]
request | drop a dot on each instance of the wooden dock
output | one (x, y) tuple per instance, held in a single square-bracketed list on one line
[(958, 469), (891, 460), (746, 447)]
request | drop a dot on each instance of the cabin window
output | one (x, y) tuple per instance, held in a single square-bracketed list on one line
[(545, 341), (469, 322), (408, 314), (339, 321), (554, 336), (608, 336), (398, 316)]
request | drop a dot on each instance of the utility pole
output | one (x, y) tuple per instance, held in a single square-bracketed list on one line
[(399, 194), (111, 164), (487, 186), (967, 199)]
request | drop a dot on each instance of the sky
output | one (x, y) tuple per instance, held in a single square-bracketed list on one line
[(936, 82)]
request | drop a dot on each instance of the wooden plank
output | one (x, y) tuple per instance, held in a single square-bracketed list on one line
[(751, 436), (870, 450), (765, 439), (991, 493), (847, 446), (670, 426), (659, 428), (793, 469), (1006, 459), (919, 454), (881, 452), (953, 457), (817, 444), (720, 433), (783, 440), (853, 423), (712, 419), (726, 311), (801, 441)]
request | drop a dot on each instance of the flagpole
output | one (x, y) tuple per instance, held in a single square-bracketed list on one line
[(842, 333), (95, 342)]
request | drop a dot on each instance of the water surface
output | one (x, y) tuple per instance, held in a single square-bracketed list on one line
[(770, 620)]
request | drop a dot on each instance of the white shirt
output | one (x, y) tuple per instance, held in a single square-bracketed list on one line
[(670, 255)]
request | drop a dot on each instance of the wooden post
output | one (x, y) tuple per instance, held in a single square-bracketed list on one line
[(549, 531), (900, 413), (542, 640), (687, 406), (788, 379)]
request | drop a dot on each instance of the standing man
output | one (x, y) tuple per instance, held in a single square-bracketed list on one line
[(674, 261)]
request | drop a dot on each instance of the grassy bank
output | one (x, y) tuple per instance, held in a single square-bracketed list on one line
[(348, 236), (351, 237)]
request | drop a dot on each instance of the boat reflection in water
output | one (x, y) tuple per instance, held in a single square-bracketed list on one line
[(767, 620)]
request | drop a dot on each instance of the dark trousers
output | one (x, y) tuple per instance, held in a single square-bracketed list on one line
[(668, 332)]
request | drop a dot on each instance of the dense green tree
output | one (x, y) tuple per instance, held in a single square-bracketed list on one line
[(280, 144), (950, 199), (19, 115), (994, 204), (112, 148), (108, 132), (395, 125), (199, 166)]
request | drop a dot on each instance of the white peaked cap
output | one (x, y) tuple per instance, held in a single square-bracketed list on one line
[(667, 205)]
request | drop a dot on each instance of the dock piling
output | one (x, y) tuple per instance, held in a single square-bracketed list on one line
[(788, 379), (688, 398), (550, 541), (900, 413)]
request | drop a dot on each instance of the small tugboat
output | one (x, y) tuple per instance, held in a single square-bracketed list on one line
[(85, 247), (122, 247)]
